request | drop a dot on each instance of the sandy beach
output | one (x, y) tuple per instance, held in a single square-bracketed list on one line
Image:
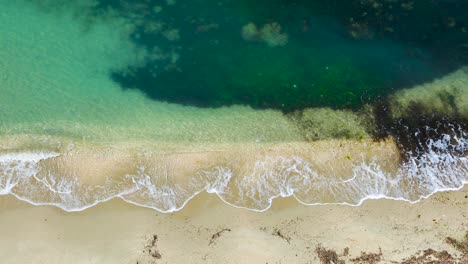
[(209, 231)]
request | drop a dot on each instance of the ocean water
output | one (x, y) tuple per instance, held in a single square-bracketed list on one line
[(154, 102)]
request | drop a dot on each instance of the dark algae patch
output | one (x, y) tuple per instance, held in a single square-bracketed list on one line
[(290, 55), (430, 256)]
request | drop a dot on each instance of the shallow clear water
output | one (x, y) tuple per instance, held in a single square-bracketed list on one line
[(156, 101)]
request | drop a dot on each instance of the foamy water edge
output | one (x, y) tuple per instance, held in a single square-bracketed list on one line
[(439, 169)]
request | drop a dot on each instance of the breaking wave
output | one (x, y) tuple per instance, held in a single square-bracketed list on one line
[(442, 166)]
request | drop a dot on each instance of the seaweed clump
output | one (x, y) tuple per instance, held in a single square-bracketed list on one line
[(433, 256), (370, 258), (278, 233), (430, 256), (328, 256), (461, 246), (152, 248), (217, 235)]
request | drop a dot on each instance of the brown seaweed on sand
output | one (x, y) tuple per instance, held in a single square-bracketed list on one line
[(327, 256), (278, 233), (430, 256), (370, 258), (461, 246), (152, 248), (218, 235)]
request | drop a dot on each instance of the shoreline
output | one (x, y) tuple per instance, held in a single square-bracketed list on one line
[(116, 232), (242, 175), (293, 198)]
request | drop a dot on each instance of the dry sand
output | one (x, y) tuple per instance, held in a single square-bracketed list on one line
[(116, 232)]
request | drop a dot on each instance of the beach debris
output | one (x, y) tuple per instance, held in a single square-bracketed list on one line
[(370, 258), (430, 256), (152, 249), (278, 233), (346, 251), (461, 246), (328, 256), (217, 235)]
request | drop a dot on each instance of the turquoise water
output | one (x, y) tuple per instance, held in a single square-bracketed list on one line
[(56, 80), (156, 101)]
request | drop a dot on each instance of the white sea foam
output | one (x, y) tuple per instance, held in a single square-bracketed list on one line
[(15, 167), (442, 166)]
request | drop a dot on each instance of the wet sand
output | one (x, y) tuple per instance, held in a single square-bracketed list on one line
[(245, 175), (117, 232)]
